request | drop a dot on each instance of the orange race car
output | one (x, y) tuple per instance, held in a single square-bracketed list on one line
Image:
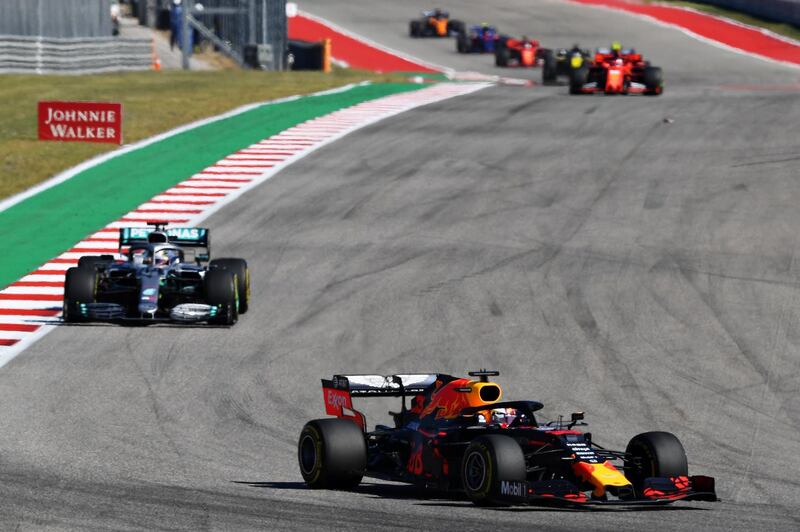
[(435, 23), (458, 434), (616, 71)]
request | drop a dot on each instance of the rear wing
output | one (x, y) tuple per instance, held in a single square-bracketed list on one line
[(197, 239), (339, 391)]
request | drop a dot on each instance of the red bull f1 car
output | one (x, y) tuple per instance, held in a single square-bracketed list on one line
[(162, 277), (616, 71), (457, 434), (435, 23)]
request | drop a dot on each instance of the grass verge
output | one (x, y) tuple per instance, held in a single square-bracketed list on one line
[(787, 30), (153, 102)]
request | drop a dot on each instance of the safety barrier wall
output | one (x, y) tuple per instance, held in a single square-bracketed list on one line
[(73, 56), (56, 18), (787, 11)]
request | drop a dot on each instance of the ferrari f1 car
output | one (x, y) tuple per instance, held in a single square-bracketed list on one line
[(459, 435), (617, 71), (560, 63), (158, 280), (522, 52), (480, 39), (435, 23)]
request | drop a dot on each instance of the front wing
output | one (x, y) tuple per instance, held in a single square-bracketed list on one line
[(656, 491)]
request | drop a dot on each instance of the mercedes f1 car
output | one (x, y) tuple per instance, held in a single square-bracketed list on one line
[(435, 23), (158, 280), (459, 435), (560, 63), (522, 52), (617, 71), (480, 39)]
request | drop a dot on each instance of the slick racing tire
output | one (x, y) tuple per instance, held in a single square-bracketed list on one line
[(414, 28), (456, 26), (80, 286), (654, 454), (238, 267), (332, 454), (463, 43), (653, 80), (221, 291), (577, 79), (487, 462), (502, 56), (91, 261), (549, 67)]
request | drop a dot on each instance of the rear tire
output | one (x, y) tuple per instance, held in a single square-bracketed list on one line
[(80, 286), (221, 291), (487, 461), (456, 26), (242, 272), (653, 79), (660, 454), (549, 67), (414, 28), (332, 454), (462, 43), (577, 79)]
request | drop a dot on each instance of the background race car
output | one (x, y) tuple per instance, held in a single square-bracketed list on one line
[(162, 278), (478, 39), (458, 435), (560, 63), (522, 52), (617, 71), (435, 23)]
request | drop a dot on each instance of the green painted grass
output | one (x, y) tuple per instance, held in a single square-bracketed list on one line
[(45, 225)]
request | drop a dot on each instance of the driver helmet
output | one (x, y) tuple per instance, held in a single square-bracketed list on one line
[(165, 257), (616, 46), (618, 62)]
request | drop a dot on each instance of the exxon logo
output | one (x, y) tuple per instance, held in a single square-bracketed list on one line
[(336, 400), (512, 488)]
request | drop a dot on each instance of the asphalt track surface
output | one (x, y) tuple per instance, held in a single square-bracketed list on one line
[(602, 258)]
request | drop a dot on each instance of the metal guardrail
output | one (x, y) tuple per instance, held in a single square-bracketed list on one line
[(31, 55), (787, 11)]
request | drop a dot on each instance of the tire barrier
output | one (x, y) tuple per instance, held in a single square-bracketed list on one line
[(28, 55)]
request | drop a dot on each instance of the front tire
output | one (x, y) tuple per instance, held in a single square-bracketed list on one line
[(659, 454), (332, 454), (80, 286), (242, 272), (502, 57), (487, 461), (653, 79), (577, 79), (414, 28), (221, 291)]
